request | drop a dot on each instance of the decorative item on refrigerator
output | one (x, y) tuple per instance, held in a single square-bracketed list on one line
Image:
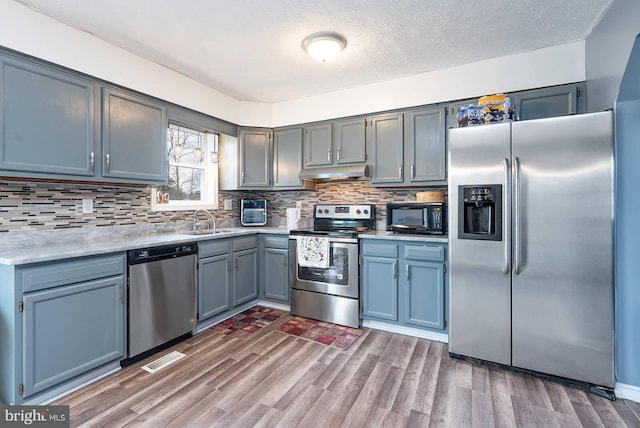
[(313, 251)]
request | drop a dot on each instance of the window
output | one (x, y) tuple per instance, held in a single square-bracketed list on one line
[(193, 171)]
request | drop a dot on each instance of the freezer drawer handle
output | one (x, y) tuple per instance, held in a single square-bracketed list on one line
[(506, 268), (516, 232)]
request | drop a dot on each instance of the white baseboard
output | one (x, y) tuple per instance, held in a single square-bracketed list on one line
[(407, 331), (628, 392)]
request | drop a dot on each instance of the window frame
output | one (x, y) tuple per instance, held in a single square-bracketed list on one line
[(210, 174)]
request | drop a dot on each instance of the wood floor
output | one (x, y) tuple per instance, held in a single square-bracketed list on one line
[(384, 379)]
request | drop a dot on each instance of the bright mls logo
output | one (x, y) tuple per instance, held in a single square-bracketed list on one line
[(34, 416)]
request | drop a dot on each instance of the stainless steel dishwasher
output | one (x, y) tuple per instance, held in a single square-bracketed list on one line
[(162, 305)]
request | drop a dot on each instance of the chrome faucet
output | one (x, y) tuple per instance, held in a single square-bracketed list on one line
[(196, 223)]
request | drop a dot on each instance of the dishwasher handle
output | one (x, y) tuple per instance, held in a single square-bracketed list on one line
[(146, 255)]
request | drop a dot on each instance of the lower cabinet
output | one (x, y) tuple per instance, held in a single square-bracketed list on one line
[(275, 268), (404, 283), (60, 320), (227, 274)]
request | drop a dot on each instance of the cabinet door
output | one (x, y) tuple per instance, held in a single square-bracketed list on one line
[(47, 121), (317, 145), (548, 102), (425, 149), (245, 285), (287, 158), (424, 294), (71, 330), (349, 141), (134, 138), (387, 141), (255, 157), (380, 289), (214, 285), (276, 274)]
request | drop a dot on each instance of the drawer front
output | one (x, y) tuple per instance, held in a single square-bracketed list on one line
[(276, 242), (424, 252), (240, 244), (214, 248), (379, 249), (49, 275)]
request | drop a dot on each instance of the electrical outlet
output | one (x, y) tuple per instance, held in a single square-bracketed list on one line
[(228, 204), (299, 205), (87, 206)]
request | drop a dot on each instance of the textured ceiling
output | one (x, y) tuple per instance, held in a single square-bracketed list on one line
[(251, 49)]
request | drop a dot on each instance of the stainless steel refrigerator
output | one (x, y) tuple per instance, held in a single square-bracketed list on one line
[(531, 245)]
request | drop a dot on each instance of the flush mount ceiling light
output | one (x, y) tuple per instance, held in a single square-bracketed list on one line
[(324, 47)]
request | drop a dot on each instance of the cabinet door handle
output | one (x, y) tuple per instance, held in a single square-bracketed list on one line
[(92, 161), (407, 272), (413, 174), (400, 171), (237, 264), (108, 162), (229, 265), (338, 154), (395, 270), (122, 294), (242, 177), (329, 156)]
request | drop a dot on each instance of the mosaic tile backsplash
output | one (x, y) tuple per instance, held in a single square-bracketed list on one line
[(26, 205)]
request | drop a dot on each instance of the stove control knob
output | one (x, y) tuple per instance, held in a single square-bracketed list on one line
[(366, 211), (358, 211), (326, 211)]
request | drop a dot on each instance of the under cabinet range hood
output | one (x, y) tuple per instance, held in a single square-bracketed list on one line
[(334, 172)]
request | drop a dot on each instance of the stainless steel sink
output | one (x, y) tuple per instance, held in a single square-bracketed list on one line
[(203, 232)]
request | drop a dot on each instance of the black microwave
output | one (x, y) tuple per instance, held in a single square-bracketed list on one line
[(425, 218)]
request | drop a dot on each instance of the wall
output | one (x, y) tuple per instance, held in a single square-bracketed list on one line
[(627, 108), (35, 34), (607, 50), (27, 205)]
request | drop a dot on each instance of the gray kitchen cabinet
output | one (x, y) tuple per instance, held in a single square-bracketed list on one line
[(549, 102), (214, 285), (387, 145), (47, 121), (134, 137), (254, 157), (424, 294), (425, 148), (62, 321), (227, 274), (287, 158), (275, 268), (245, 285), (404, 283), (318, 145), (349, 141), (70, 330)]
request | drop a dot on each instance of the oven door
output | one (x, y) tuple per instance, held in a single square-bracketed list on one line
[(340, 278)]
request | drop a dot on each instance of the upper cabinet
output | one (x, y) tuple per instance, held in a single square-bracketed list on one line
[(549, 102), (47, 118), (287, 158), (409, 149), (318, 146), (134, 138), (387, 140), (335, 143), (255, 157), (349, 141), (425, 146), (57, 124)]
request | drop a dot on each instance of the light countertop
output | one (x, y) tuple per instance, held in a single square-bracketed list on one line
[(23, 247)]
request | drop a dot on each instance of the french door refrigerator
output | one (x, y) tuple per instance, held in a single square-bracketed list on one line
[(531, 246)]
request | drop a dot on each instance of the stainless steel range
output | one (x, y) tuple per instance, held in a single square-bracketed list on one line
[(327, 288)]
